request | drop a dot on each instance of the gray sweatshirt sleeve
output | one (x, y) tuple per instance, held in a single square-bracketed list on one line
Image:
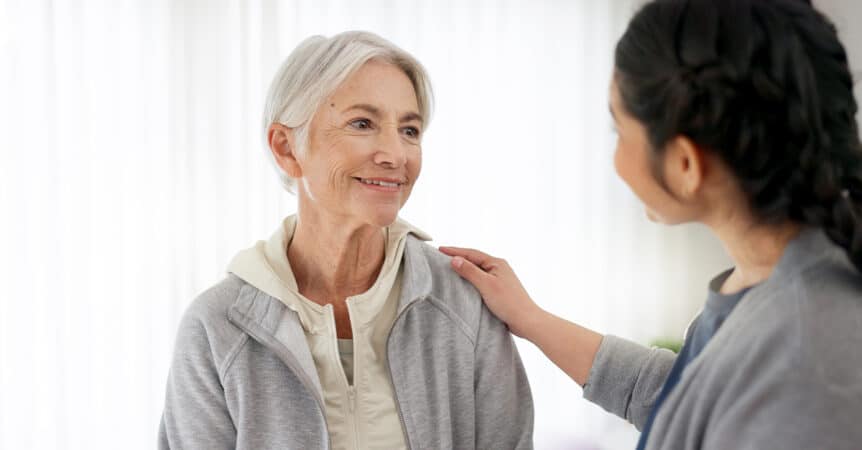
[(626, 378), (504, 404), (195, 414)]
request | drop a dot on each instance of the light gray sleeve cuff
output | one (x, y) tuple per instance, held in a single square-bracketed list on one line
[(626, 378)]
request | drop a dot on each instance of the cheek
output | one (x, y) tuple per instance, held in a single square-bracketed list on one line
[(342, 160), (632, 167), (618, 160), (337, 176), (325, 177), (414, 163), (624, 164)]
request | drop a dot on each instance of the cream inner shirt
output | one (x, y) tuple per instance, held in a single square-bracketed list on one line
[(360, 412)]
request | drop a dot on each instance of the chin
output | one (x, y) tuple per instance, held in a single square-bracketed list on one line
[(655, 217), (381, 218), (651, 216)]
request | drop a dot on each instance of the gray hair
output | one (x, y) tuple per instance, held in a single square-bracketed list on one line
[(315, 69)]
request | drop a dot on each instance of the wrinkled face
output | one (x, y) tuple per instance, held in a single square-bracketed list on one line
[(364, 152), (633, 164)]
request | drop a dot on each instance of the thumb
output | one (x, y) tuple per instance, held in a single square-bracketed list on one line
[(470, 272)]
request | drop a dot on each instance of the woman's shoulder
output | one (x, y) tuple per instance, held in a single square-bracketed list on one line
[(821, 281), (806, 323), (445, 282), (810, 323), (431, 270), (828, 301), (205, 323), (213, 303), (819, 302)]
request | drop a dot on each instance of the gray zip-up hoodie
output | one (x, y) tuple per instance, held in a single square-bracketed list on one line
[(784, 371), (243, 377)]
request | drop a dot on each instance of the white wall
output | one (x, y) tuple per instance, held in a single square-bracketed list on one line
[(847, 16)]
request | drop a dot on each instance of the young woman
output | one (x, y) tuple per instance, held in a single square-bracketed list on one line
[(738, 114)]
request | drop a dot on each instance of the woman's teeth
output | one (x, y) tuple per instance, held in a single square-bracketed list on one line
[(379, 183)]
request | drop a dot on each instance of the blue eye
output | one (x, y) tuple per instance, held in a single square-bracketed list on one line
[(361, 124)]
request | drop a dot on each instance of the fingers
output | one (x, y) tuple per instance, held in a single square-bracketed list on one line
[(476, 257), (471, 272)]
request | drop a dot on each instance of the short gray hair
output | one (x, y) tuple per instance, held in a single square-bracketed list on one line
[(315, 69)]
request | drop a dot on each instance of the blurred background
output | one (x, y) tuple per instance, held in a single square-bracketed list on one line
[(132, 169)]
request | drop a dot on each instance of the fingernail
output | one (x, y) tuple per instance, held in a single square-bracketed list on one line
[(457, 261)]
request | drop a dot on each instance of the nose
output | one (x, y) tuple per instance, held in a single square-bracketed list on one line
[(391, 149)]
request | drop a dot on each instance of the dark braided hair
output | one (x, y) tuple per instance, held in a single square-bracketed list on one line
[(764, 84)]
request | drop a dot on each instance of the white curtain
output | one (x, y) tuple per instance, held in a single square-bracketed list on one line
[(132, 169)]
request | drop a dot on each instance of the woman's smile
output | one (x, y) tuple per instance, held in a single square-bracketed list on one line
[(386, 185)]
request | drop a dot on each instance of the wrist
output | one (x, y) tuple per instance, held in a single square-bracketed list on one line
[(529, 321)]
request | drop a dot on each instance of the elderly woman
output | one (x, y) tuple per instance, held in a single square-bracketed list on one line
[(344, 330)]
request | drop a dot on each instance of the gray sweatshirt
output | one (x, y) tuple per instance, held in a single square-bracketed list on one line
[(243, 377), (784, 371)]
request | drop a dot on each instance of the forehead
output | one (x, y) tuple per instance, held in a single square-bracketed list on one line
[(380, 83), (613, 92)]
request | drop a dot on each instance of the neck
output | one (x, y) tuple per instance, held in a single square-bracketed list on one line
[(332, 258), (755, 247)]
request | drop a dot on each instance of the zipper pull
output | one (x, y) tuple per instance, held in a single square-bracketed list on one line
[(351, 398)]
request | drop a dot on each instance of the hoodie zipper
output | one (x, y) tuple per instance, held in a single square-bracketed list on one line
[(350, 388)]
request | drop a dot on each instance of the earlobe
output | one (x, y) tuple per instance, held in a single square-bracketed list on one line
[(685, 167), (693, 166), (282, 144)]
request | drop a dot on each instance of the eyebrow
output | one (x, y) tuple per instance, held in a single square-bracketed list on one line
[(411, 116), (375, 111)]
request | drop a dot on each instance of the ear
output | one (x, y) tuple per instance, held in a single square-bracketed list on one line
[(282, 143), (685, 167)]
